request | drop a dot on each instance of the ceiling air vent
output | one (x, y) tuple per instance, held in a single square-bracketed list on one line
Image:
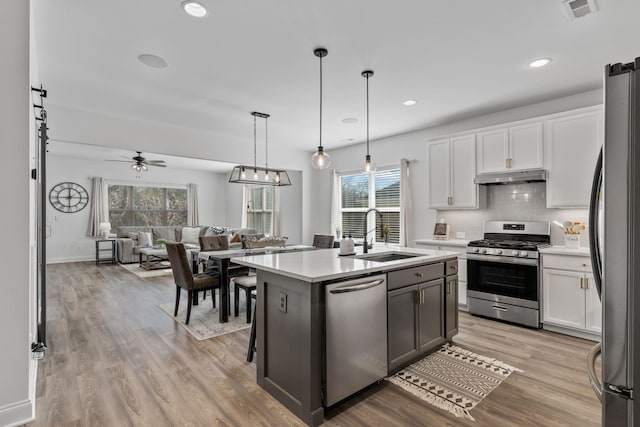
[(579, 8)]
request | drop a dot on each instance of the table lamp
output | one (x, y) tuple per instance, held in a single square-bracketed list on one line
[(105, 229)]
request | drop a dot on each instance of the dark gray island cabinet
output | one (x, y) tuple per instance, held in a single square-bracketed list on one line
[(421, 313)]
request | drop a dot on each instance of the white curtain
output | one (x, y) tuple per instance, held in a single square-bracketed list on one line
[(99, 206), (192, 205), (405, 203), (335, 204), (245, 208), (275, 212)]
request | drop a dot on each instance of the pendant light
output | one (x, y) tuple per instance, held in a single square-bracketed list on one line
[(258, 175), (320, 159), (367, 166)]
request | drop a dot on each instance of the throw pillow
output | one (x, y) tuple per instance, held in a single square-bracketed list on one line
[(145, 239), (134, 236), (191, 235)]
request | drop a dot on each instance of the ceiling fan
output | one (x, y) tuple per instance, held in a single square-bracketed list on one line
[(139, 163)]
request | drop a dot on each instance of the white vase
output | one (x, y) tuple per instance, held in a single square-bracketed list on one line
[(572, 241)]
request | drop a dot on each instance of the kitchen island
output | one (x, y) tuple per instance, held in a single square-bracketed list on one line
[(308, 348)]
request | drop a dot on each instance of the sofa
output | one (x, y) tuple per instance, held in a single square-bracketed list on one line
[(129, 239)]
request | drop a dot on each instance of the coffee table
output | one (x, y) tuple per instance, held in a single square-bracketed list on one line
[(153, 258)]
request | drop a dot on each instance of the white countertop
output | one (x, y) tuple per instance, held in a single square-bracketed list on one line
[(563, 250), (326, 264), (450, 242)]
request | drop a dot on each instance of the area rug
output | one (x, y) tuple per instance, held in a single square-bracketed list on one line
[(453, 379), (204, 322), (142, 273)]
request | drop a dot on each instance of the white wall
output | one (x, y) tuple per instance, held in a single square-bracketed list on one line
[(68, 239), (96, 128), (220, 203), (16, 390), (413, 147)]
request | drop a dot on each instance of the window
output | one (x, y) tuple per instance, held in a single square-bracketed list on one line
[(259, 207), (359, 192), (147, 206)]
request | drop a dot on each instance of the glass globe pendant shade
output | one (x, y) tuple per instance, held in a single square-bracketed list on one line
[(320, 159), (367, 166)]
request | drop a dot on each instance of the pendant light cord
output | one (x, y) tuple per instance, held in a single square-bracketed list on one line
[(321, 101), (255, 163), (367, 114), (266, 147)]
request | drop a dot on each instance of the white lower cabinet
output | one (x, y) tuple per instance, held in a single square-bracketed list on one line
[(462, 265), (569, 296)]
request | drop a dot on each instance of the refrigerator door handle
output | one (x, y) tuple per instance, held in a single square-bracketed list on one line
[(595, 383), (626, 393), (594, 240)]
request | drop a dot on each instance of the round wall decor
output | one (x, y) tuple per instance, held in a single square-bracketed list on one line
[(68, 197)]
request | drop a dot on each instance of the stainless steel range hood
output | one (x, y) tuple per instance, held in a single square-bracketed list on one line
[(511, 177)]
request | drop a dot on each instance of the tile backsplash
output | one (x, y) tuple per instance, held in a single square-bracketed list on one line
[(518, 202)]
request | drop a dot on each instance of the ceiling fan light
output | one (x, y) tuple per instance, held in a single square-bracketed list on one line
[(145, 168)]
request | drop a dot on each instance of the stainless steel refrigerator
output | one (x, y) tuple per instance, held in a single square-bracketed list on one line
[(614, 220)]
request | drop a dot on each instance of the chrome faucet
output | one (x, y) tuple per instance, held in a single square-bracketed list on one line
[(364, 243)]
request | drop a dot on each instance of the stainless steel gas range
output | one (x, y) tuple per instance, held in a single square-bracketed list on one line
[(503, 271)]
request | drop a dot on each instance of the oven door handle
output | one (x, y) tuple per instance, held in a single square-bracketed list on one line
[(503, 259)]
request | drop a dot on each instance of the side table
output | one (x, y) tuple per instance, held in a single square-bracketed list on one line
[(101, 250)]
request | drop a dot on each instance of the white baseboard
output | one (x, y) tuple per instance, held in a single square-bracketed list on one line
[(18, 413), (81, 258), (575, 333)]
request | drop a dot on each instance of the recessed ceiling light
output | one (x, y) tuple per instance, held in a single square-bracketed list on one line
[(347, 140), (153, 61), (350, 120), (409, 102), (539, 62), (194, 8)]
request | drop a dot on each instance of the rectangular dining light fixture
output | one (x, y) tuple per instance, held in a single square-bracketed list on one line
[(258, 175)]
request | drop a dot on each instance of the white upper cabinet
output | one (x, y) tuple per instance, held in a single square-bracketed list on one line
[(572, 144), (514, 148), (452, 168)]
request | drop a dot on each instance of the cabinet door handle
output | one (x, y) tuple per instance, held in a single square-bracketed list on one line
[(582, 283), (454, 267), (448, 288), (417, 294), (506, 163), (422, 293), (584, 264), (586, 283), (420, 274)]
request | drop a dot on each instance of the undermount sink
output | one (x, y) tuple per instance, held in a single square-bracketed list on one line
[(386, 256)]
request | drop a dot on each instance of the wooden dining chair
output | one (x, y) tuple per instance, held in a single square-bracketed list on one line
[(322, 241), (220, 243), (185, 279)]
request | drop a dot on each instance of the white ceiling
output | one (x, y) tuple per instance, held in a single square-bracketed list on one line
[(108, 154), (457, 58)]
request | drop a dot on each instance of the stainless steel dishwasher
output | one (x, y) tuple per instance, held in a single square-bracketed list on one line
[(356, 335)]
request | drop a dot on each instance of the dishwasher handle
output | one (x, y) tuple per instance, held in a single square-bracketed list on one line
[(356, 288)]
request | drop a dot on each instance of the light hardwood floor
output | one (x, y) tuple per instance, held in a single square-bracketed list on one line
[(115, 359)]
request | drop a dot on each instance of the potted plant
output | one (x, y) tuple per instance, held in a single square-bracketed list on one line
[(161, 242), (385, 233)]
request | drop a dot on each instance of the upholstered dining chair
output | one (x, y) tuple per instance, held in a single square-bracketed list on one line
[(185, 279), (323, 241)]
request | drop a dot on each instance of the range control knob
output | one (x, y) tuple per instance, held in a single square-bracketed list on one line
[(499, 251), (476, 250), (524, 253), (484, 251), (514, 253)]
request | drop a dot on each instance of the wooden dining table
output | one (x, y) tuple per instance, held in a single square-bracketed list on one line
[(223, 259)]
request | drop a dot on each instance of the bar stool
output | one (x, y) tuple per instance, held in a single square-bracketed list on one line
[(248, 283), (252, 338)]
